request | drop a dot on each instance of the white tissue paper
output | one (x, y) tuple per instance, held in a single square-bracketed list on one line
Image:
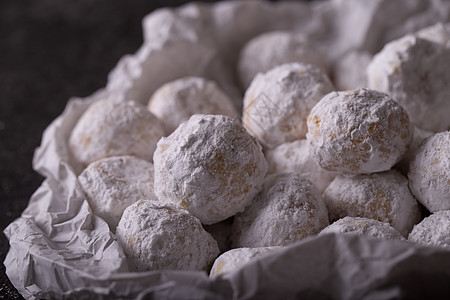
[(59, 249)]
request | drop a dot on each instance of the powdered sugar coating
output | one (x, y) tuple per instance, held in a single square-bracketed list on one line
[(176, 101), (415, 73), (429, 172), (363, 227), (433, 230), (358, 131), (380, 196), (209, 165), (271, 49), (112, 184), (295, 157), (288, 209), (277, 103), (236, 258), (349, 72), (113, 128), (157, 236)]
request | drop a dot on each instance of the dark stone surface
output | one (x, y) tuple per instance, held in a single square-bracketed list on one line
[(51, 50)]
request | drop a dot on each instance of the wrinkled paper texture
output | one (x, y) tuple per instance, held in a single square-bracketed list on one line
[(59, 249)]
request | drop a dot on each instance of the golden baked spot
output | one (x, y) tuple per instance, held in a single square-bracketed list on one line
[(316, 120), (246, 189), (163, 147), (286, 128), (140, 203), (435, 162), (380, 195), (101, 129), (404, 134), (373, 128), (385, 152), (132, 240), (342, 132), (85, 141), (184, 204), (300, 233), (218, 164), (171, 211), (357, 141), (404, 119), (220, 265), (361, 224), (250, 168), (380, 205), (395, 67), (180, 239)]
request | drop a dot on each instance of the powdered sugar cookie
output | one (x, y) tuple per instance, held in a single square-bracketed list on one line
[(277, 103), (358, 131), (380, 196), (363, 227), (434, 230), (236, 258), (429, 172), (271, 49), (112, 184), (158, 236), (176, 101), (415, 73), (288, 209), (112, 128), (209, 165)]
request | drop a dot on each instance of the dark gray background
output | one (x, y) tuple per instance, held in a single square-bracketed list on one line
[(51, 50)]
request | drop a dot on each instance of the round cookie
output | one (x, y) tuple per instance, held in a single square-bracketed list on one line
[(429, 172), (210, 166), (434, 230), (415, 73), (359, 131), (363, 227), (113, 128), (295, 157), (277, 103), (380, 196), (288, 209), (236, 258), (176, 101), (271, 49), (158, 236), (112, 184)]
